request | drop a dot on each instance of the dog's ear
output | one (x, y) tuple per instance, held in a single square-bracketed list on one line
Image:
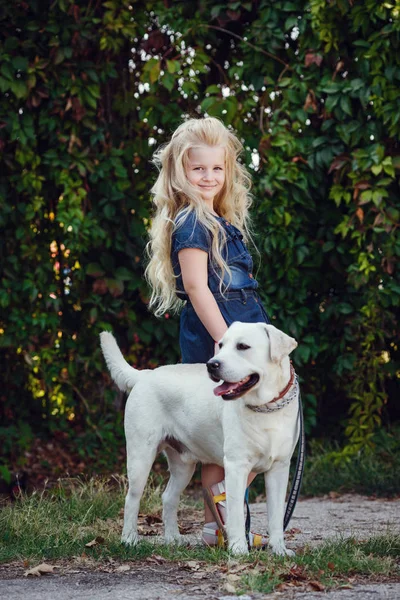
[(280, 344)]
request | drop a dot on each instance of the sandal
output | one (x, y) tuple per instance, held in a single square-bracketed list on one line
[(214, 534)]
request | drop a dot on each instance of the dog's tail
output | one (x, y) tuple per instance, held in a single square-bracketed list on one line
[(122, 373)]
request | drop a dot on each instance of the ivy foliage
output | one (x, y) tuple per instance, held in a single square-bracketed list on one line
[(89, 89)]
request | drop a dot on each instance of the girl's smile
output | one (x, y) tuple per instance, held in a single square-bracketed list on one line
[(206, 171)]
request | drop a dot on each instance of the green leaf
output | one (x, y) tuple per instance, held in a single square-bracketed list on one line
[(345, 105), (173, 66), (154, 72), (168, 81), (213, 89), (376, 169), (19, 88), (94, 270), (20, 63), (123, 274)]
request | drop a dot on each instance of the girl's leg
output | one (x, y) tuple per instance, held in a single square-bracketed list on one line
[(211, 474), (213, 480)]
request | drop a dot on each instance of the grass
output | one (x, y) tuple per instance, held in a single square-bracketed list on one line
[(58, 523), (372, 473), (329, 565)]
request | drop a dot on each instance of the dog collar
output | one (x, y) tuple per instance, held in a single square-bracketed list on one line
[(287, 395)]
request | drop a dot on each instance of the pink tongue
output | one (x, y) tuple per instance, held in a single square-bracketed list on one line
[(225, 387)]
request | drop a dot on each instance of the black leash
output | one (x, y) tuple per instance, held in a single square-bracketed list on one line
[(298, 478)]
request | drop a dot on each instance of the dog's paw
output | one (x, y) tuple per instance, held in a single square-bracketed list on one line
[(281, 550), (130, 539), (239, 548), (175, 538), (277, 545)]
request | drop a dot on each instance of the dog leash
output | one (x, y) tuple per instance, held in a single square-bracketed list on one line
[(298, 477), (297, 481)]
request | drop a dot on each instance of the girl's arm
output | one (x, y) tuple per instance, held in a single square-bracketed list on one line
[(193, 263)]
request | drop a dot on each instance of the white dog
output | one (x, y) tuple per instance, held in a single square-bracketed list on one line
[(175, 408)]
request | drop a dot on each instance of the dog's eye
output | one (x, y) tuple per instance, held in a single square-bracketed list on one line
[(242, 347)]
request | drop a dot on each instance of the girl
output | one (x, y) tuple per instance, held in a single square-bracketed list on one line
[(198, 255)]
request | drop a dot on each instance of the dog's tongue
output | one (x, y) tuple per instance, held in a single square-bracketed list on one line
[(225, 387)]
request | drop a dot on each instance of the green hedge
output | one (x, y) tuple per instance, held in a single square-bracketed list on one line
[(90, 89)]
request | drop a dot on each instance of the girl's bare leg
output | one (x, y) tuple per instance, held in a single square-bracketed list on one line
[(211, 474)]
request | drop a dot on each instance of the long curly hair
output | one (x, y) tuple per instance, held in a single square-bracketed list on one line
[(174, 195)]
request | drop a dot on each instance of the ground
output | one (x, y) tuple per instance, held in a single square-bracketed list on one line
[(314, 521)]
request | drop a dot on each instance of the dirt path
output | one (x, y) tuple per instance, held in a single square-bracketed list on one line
[(318, 519), (315, 521)]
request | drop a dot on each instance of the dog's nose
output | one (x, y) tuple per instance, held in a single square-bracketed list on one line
[(213, 365)]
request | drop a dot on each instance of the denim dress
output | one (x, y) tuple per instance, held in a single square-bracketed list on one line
[(240, 301)]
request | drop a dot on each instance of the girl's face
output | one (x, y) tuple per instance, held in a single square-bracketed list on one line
[(206, 171)]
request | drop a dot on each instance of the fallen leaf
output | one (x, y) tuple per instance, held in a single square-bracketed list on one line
[(192, 565), (232, 577), (238, 568), (334, 495), (228, 587), (316, 585), (281, 587), (98, 540), (331, 566), (184, 530), (123, 568), (293, 530), (156, 558), (147, 532), (150, 519), (41, 569), (296, 572)]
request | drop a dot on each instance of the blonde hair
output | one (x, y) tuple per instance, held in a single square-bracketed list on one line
[(173, 194)]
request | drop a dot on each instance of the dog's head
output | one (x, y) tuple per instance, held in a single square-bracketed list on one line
[(248, 353)]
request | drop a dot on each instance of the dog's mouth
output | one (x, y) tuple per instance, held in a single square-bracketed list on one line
[(231, 391)]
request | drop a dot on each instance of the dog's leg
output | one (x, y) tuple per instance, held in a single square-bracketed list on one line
[(180, 475), (236, 481), (138, 467), (276, 481)]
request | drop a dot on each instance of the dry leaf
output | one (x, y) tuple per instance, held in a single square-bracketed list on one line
[(199, 575), (95, 542), (230, 588), (281, 587), (156, 558), (232, 577), (331, 566), (293, 530), (237, 568), (41, 569), (316, 585), (334, 495), (193, 565), (123, 568)]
